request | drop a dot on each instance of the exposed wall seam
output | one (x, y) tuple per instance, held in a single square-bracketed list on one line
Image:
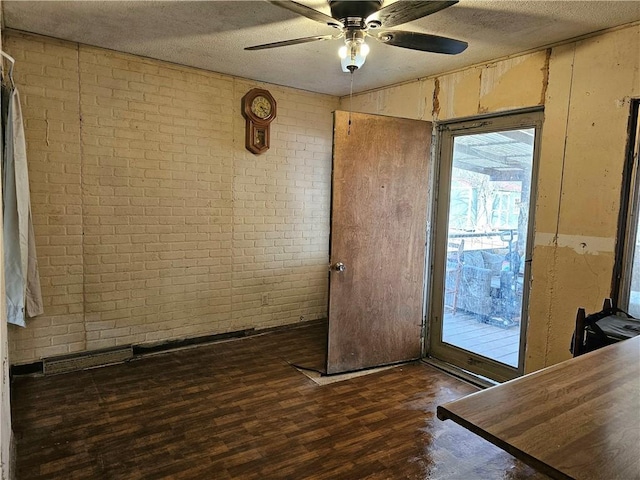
[(422, 106), (480, 110), (545, 77), (436, 103), (82, 198), (234, 148), (554, 262)]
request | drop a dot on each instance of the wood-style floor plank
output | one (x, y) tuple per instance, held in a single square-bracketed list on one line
[(240, 410)]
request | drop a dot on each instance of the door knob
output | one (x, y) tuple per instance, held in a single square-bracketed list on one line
[(339, 267)]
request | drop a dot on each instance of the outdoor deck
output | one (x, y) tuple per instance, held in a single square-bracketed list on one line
[(466, 331)]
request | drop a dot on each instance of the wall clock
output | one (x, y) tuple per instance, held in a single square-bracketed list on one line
[(259, 109)]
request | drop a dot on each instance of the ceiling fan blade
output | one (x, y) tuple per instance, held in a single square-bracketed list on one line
[(402, 12), (295, 41), (421, 41), (308, 12)]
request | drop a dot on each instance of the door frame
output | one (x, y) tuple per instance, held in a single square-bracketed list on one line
[(446, 132)]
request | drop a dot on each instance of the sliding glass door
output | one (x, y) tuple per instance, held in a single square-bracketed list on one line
[(482, 243)]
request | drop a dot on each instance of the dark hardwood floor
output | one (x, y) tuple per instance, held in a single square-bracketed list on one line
[(239, 410)]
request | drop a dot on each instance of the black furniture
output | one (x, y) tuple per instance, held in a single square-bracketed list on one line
[(597, 330)]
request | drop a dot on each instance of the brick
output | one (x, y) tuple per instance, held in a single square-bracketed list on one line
[(172, 225)]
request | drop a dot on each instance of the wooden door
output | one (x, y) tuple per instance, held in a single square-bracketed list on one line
[(378, 231)]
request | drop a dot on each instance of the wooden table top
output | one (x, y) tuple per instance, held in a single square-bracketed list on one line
[(579, 419)]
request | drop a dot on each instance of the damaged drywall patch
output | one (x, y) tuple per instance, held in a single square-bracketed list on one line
[(458, 94), (513, 83), (579, 243), (481, 110), (545, 76), (623, 102), (436, 103)]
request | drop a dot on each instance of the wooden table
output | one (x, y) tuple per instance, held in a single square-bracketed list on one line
[(579, 419)]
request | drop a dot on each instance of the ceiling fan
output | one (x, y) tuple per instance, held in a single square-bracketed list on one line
[(358, 20)]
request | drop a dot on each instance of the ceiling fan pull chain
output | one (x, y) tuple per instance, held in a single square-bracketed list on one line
[(350, 103)]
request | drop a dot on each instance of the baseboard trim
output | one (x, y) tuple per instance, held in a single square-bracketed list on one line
[(148, 348), (142, 349), (86, 360)]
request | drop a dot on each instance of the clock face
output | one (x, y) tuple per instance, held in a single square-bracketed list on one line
[(261, 107)]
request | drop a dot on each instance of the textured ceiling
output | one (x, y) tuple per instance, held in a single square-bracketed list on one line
[(212, 35)]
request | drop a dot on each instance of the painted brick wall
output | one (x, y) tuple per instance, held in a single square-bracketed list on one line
[(46, 74), (152, 220)]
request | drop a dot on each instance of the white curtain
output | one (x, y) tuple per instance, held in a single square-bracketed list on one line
[(24, 297)]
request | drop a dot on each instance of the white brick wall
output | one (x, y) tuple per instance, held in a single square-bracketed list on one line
[(47, 77), (152, 220)]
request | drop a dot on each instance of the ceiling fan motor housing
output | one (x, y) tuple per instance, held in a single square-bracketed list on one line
[(344, 10)]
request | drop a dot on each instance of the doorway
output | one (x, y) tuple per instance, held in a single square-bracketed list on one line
[(482, 243)]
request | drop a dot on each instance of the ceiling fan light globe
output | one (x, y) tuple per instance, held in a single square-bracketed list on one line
[(354, 57), (342, 51)]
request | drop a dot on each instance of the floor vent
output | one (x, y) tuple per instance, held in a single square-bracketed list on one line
[(96, 358)]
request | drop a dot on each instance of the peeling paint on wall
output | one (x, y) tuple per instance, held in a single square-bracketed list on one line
[(545, 77), (513, 83), (481, 109), (436, 103), (458, 94), (578, 243)]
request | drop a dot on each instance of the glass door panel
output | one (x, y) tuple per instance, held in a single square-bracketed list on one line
[(484, 221)]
